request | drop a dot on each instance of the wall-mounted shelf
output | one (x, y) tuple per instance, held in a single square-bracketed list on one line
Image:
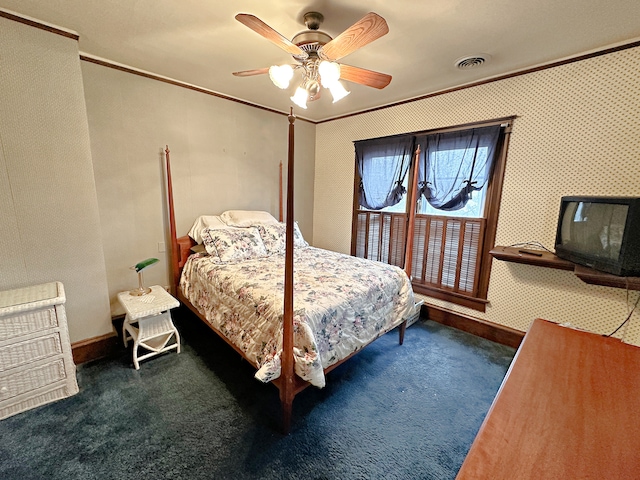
[(542, 258)]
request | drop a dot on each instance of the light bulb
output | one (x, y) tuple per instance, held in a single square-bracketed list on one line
[(281, 75), (329, 73), (300, 97), (338, 92), (313, 89)]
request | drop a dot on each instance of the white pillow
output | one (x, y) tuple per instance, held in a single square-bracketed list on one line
[(247, 218), (202, 222)]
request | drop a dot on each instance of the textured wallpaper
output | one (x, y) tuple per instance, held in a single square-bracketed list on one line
[(49, 223), (224, 156), (577, 132)]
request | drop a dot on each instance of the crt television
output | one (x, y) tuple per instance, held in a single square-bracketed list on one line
[(600, 232)]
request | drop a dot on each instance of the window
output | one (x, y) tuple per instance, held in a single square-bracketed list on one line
[(459, 185)]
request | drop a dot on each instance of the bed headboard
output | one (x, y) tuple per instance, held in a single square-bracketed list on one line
[(184, 250), (181, 246)]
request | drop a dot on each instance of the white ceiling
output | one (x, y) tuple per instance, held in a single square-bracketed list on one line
[(201, 43)]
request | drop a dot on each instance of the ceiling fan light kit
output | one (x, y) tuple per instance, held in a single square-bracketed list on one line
[(281, 75), (338, 92), (329, 73), (300, 97), (317, 54)]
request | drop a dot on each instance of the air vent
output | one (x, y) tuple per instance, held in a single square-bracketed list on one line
[(473, 61)]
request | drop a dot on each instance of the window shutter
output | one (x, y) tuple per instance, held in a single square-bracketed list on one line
[(446, 252), (419, 247), (361, 235), (397, 245), (470, 254), (381, 236), (450, 254), (434, 251), (373, 243)]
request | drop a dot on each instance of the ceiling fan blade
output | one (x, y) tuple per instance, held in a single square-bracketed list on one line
[(248, 73), (369, 28), (364, 76), (258, 26)]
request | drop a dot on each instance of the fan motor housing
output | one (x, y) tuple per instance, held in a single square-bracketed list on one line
[(311, 36), (312, 39)]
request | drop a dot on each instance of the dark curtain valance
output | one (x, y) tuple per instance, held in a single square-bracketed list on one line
[(454, 164), (382, 166)]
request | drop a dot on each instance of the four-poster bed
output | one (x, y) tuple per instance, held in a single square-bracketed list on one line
[(240, 300)]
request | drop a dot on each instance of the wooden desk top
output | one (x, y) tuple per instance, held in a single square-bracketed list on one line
[(568, 408)]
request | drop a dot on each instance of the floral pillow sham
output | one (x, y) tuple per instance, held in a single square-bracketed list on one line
[(234, 245), (274, 237)]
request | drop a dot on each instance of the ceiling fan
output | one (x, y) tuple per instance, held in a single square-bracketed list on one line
[(316, 54)]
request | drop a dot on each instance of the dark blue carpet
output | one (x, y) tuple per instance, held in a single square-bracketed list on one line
[(392, 412)]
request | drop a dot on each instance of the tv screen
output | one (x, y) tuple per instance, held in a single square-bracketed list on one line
[(594, 229)]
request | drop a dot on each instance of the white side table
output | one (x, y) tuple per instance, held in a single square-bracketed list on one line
[(148, 322)]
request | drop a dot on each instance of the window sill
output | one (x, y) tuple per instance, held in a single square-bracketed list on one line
[(474, 303)]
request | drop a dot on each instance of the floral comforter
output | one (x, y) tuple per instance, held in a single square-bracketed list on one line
[(341, 303)]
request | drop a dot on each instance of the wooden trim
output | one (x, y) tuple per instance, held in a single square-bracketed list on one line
[(37, 24), (477, 274), (177, 83), (492, 212), (474, 303), (159, 78), (355, 209), (452, 128), (95, 348), (476, 326), (526, 71), (105, 63)]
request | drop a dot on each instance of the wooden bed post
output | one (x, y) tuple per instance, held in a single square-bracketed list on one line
[(408, 253), (280, 193), (172, 227), (286, 370)]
